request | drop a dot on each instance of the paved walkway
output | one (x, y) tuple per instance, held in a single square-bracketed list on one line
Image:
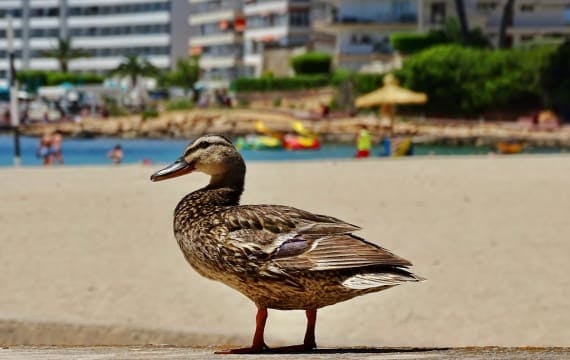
[(172, 353)]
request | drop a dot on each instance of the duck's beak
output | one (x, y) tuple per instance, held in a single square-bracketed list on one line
[(177, 168)]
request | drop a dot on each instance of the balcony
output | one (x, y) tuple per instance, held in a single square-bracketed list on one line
[(274, 6), (216, 62), (537, 22), (214, 6), (217, 14), (215, 39), (363, 26)]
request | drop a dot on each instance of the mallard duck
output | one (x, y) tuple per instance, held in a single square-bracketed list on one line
[(278, 256)]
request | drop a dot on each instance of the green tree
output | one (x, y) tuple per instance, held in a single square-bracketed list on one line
[(184, 75), (463, 25), (64, 53), (555, 78), (469, 81), (134, 67), (506, 21), (450, 33)]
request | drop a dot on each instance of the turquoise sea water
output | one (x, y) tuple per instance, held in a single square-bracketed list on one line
[(94, 151)]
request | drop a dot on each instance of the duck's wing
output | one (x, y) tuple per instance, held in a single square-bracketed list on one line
[(333, 252), (283, 221), (289, 239)]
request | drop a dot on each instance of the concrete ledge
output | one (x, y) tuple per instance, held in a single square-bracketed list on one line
[(158, 352)]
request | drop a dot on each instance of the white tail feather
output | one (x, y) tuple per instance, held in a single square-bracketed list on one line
[(372, 280)]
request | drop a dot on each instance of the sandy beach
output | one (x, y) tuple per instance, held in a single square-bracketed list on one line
[(88, 255)]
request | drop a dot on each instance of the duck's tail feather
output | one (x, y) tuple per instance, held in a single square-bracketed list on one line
[(380, 279)]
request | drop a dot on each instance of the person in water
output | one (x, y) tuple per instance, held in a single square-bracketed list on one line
[(45, 149), (57, 142), (363, 143), (116, 154)]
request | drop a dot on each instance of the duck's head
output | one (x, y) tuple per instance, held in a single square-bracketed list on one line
[(214, 155)]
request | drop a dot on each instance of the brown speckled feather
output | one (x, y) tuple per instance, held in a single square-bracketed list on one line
[(298, 240)]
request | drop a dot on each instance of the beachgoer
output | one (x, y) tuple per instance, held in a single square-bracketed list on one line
[(116, 154), (57, 142), (45, 150), (363, 143), (325, 110)]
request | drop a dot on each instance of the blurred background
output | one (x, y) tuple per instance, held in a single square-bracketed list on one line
[(457, 110)]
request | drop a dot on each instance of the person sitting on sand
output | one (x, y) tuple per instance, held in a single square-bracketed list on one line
[(116, 154)]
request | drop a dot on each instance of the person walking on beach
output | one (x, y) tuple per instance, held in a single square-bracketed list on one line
[(116, 154), (363, 143)]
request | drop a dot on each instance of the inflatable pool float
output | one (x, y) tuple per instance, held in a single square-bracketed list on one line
[(304, 140), (255, 142), (295, 142), (507, 147)]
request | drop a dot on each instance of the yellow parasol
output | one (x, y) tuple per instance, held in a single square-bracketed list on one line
[(389, 95)]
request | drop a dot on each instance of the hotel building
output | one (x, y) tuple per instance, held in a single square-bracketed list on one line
[(357, 32), (533, 20), (231, 36), (107, 29)]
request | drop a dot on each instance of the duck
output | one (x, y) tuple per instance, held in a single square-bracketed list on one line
[(279, 257)]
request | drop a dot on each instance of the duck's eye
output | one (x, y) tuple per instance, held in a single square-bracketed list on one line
[(203, 145)]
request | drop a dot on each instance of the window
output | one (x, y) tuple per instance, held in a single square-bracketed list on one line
[(486, 6), (121, 30), (14, 12), (119, 9), (44, 12), (437, 13), (42, 33), (299, 19)]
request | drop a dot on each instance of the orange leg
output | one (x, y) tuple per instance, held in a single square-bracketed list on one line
[(309, 342), (258, 342)]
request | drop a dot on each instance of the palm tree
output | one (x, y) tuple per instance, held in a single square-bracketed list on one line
[(184, 75), (460, 6), (134, 67), (506, 21), (64, 53)]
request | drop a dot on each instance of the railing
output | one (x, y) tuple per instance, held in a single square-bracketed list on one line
[(206, 7), (381, 18)]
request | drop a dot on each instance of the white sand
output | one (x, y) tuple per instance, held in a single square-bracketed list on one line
[(94, 246)]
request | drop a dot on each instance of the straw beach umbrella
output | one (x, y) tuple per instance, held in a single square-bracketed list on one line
[(389, 95)]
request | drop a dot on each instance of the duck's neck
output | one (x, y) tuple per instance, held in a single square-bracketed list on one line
[(226, 188)]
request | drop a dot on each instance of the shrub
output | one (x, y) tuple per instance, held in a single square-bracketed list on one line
[(149, 113), (468, 81), (365, 83), (33, 79), (312, 63), (555, 77), (280, 83), (179, 104), (450, 33), (409, 43), (339, 76)]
